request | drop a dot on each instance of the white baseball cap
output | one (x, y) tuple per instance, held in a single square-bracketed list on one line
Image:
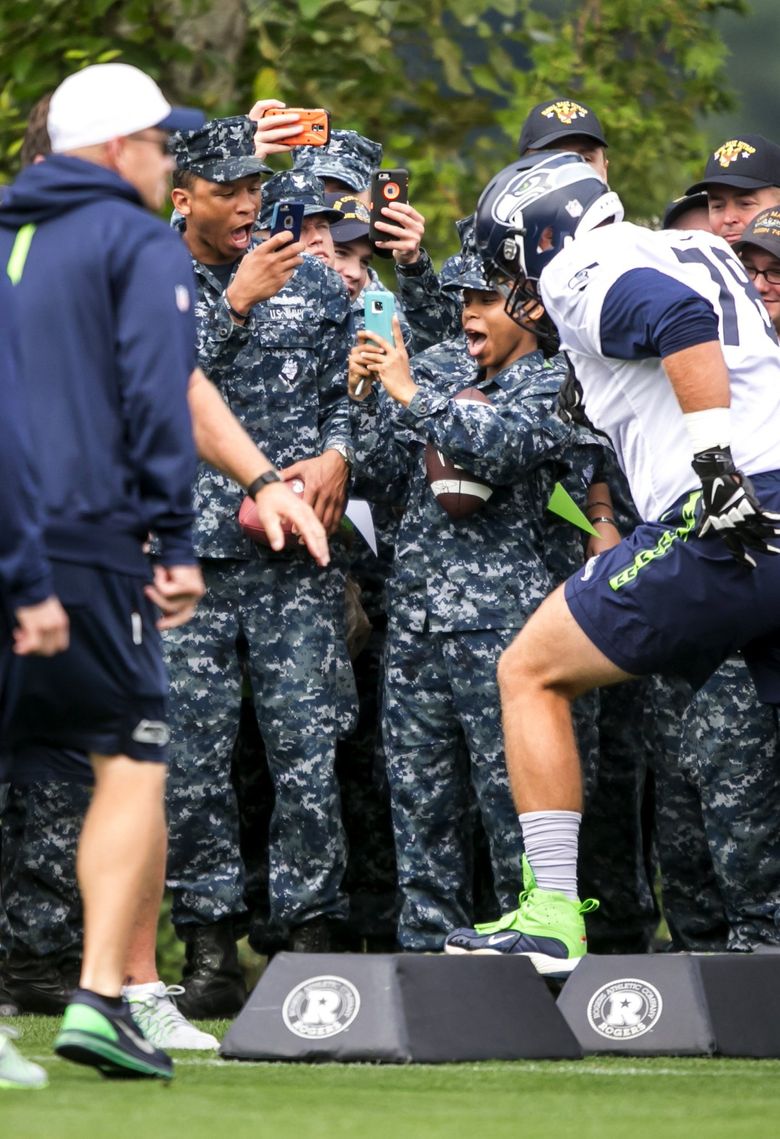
[(111, 100)]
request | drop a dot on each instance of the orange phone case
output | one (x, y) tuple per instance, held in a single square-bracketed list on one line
[(316, 120)]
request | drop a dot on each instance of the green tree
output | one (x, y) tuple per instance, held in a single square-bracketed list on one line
[(650, 71), (444, 85)]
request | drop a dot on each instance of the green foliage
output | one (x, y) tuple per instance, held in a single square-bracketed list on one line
[(444, 85), (650, 71), (42, 41)]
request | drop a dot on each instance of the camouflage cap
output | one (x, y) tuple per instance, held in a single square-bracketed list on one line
[(471, 273), (223, 150), (763, 231), (295, 186), (349, 156), (353, 220)]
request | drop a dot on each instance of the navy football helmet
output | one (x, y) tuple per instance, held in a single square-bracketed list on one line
[(526, 215)]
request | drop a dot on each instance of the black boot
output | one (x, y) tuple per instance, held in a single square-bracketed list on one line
[(318, 935), (37, 984), (212, 978)]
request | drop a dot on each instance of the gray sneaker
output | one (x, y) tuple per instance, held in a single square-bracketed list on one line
[(15, 1071), (162, 1024)]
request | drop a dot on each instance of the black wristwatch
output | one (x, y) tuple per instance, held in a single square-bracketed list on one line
[(262, 480)]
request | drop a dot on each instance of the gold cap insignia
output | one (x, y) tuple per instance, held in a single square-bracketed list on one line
[(731, 151), (565, 111)]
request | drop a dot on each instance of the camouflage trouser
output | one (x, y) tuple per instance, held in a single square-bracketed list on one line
[(291, 614), (442, 733), (730, 762), (440, 693), (39, 832), (616, 837), (371, 880)]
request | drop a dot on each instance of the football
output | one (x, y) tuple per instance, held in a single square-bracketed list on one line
[(250, 523), (456, 491)]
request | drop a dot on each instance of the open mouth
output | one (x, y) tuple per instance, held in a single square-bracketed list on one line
[(241, 236), (475, 341)]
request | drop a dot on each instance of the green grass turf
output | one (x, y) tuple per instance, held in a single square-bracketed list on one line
[(608, 1098)]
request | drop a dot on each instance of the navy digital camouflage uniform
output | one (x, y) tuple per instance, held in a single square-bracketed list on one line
[(283, 375), (371, 880), (729, 762), (41, 823), (459, 593), (430, 300)]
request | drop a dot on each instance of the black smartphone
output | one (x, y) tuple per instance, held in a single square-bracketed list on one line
[(287, 217), (387, 187)]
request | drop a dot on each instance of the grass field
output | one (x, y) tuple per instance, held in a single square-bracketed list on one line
[(608, 1098)]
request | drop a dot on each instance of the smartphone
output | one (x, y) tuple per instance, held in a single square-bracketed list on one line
[(287, 217), (379, 308), (316, 120), (387, 186)]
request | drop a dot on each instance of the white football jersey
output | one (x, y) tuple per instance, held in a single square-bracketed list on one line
[(631, 400)]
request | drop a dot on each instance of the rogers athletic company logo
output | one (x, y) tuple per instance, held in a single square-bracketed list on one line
[(732, 150), (565, 111), (320, 1007), (625, 1009)]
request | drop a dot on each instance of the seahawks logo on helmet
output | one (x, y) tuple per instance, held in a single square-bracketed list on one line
[(529, 212)]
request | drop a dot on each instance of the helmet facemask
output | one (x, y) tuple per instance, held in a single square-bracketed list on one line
[(520, 292)]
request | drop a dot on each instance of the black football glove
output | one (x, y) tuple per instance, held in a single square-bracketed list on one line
[(729, 507), (571, 408)]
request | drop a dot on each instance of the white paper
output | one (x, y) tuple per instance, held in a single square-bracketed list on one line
[(359, 513)]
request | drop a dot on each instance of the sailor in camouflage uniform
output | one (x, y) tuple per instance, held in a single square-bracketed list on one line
[(42, 932), (278, 355), (345, 166), (460, 591)]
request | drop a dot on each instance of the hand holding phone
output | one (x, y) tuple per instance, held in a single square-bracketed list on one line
[(378, 311), (287, 217), (387, 188), (315, 121)]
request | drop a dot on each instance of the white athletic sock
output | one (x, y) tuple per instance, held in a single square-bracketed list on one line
[(550, 841)]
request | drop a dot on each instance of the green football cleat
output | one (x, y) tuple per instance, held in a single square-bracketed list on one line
[(547, 927), (109, 1039), (15, 1071)]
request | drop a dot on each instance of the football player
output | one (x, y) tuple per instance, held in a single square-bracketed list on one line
[(677, 363)]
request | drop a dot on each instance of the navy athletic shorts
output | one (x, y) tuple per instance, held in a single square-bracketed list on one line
[(666, 601), (108, 693)]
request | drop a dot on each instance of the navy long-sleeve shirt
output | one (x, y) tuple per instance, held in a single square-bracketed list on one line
[(107, 343)]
